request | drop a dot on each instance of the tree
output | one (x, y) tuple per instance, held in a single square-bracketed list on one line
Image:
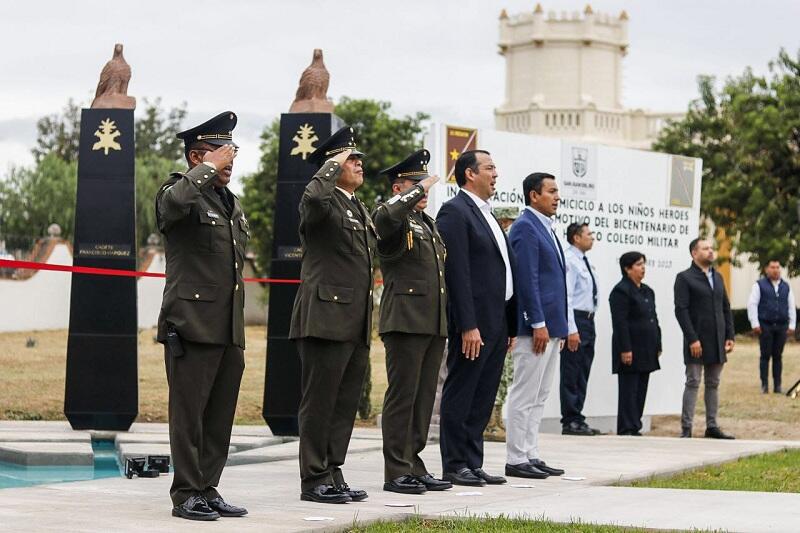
[(33, 198), (384, 139), (748, 135)]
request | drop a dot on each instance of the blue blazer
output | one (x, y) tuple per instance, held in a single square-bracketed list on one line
[(475, 273), (541, 278)]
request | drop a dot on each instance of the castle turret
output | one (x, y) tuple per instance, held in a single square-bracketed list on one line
[(564, 77)]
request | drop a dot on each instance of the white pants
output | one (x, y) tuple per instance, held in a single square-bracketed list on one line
[(533, 377)]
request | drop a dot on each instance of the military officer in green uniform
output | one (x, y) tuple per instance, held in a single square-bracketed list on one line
[(413, 322), (202, 315), (331, 318)]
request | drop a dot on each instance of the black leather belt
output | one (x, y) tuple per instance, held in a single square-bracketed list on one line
[(584, 314)]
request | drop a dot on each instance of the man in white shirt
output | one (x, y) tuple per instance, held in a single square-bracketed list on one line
[(772, 316), (481, 317), (578, 354)]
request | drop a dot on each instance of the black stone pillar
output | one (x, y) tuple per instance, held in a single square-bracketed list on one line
[(300, 133), (101, 382)]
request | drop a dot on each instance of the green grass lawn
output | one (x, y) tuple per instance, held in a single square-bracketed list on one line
[(484, 525), (773, 472)]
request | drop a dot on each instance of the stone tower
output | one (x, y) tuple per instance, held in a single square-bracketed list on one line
[(564, 78)]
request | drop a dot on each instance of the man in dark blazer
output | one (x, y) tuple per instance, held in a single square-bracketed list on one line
[(413, 322), (704, 314), (332, 316), (481, 316), (542, 324)]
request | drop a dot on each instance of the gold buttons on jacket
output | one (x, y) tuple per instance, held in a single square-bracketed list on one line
[(442, 290), (213, 222), (196, 296), (236, 264), (335, 298), (234, 242), (236, 288), (410, 290)]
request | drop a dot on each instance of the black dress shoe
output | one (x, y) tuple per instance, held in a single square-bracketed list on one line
[(553, 471), (405, 485), (431, 483), (526, 470), (325, 494), (195, 508), (575, 428), (356, 495), (488, 478), (465, 476), (764, 388), (778, 389), (716, 433), (593, 430), (224, 508), (686, 433)]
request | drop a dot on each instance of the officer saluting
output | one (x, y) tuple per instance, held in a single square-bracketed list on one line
[(202, 315), (331, 318), (412, 324)]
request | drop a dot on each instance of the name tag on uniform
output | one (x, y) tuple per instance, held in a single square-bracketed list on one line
[(212, 214), (354, 220)]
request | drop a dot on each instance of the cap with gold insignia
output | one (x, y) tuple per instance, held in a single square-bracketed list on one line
[(413, 167), (344, 139), (217, 131)]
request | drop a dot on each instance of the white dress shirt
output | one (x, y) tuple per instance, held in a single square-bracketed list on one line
[(497, 231), (579, 286), (755, 299), (549, 225), (346, 193)]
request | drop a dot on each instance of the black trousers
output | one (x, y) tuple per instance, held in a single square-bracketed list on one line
[(412, 367), (771, 341), (203, 390), (468, 400), (630, 402), (575, 368), (332, 376)]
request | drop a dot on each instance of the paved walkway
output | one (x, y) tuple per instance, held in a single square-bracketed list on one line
[(270, 490)]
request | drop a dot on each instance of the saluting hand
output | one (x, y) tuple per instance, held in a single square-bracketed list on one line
[(429, 182), (221, 157), (341, 157)]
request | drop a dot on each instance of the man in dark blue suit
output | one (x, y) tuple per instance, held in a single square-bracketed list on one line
[(541, 324), (481, 317)]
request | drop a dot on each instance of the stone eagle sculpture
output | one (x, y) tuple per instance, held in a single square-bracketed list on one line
[(312, 92), (112, 89)]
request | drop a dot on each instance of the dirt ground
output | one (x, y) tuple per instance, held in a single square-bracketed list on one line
[(32, 385)]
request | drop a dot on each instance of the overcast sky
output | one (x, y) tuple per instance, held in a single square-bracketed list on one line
[(422, 55)]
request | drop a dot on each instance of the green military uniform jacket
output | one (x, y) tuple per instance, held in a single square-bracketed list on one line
[(205, 249), (338, 238), (412, 261)]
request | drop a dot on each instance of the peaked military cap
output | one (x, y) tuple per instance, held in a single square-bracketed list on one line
[(217, 131), (413, 167), (344, 139)]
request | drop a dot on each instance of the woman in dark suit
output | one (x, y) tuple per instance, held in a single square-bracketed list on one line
[(635, 343)]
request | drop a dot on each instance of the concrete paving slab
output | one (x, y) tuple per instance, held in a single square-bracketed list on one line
[(289, 452), (45, 436), (271, 490), (47, 453)]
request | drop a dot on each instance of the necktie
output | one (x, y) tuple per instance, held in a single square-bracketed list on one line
[(558, 245), (356, 208), (594, 283), (221, 192)]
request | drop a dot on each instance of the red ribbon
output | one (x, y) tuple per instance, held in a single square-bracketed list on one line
[(32, 265)]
